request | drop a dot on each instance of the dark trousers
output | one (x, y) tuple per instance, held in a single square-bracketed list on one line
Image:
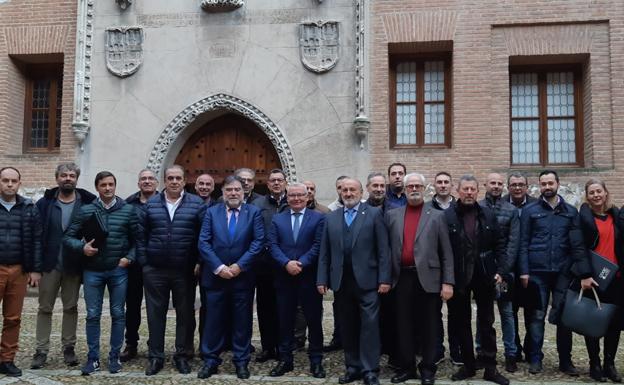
[(223, 304), (266, 307), (358, 315), (453, 338), (387, 325), (293, 291), (417, 313), (134, 298), (460, 317), (158, 283), (336, 334)]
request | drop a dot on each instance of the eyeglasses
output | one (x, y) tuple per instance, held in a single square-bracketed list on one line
[(517, 185), (298, 196), (414, 187)]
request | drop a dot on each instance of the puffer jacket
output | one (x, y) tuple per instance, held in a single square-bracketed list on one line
[(20, 235), (551, 240), (509, 226), (170, 243), (122, 226), (51, 240)]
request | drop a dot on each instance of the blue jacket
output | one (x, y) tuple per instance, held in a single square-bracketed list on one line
[(551, 240), (217, 248), (170, 243), (305, 250)]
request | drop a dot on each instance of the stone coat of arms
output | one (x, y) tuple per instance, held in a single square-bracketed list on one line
[(124, 50), (319, 44)]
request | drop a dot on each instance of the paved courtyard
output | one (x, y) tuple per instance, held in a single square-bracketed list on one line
[(55, 372)]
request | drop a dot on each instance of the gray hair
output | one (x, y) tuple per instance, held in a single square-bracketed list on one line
[(467, 178), (175, 167), (65, 167), (146, 170), (245, 169), (297, 184), (517, 174), (412, 175), (373, 175)]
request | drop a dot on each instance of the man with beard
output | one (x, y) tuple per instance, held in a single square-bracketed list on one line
[(61, 270), (148, 184), (354, 262), (509, 225), (204, 186), (376, 188), (422, 273), (479, 257), (552, 254), (312, 203), (395, 196)]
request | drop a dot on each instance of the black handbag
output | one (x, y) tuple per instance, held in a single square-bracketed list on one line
[(586, 316), (604, 270)]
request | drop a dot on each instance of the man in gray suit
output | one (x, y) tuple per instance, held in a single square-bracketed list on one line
[(354, 262), (422, 273)]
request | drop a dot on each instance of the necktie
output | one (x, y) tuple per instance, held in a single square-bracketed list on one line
[(296, 225), (232, 224), (350, 215)]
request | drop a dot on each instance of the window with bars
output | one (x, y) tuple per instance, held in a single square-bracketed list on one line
[(420, 101), (546, 123), (43, 108)]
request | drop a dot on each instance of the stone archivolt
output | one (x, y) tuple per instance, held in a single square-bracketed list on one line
[(221, 5)]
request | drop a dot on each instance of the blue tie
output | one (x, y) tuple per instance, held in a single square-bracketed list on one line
[(350, 216), (296, 225), (232, 224)]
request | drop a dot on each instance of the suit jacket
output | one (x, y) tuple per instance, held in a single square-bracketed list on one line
[(305, 250), (370, 251), (216, 247), (433, 255)]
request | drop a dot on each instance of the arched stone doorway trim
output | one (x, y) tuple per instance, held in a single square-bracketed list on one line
[(222, 102)]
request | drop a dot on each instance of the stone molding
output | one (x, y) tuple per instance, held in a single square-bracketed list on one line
[(221, 5), (123, 4), (82, 77), (360, 58), (228, 103)]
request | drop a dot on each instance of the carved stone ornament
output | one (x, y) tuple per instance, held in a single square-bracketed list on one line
[(221, 5), (123, 4), (124, 50), (319, 45)]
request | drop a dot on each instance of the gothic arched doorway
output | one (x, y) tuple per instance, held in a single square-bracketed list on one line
[(224, 144)]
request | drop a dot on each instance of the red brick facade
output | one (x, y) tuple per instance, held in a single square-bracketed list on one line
[(484, 37), (34, 30)]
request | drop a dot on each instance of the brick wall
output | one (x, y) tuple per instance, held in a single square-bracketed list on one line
[(485, 35), (34, 27)]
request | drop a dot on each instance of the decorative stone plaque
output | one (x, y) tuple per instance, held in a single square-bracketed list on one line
[(221, 5), (124, 50), (319, 45), (123, 4)]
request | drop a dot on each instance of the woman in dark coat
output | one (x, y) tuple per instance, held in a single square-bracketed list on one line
[(601, 225)]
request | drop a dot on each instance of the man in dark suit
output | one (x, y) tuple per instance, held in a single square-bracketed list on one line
[(422, 273), (295, 240), (230, 240), (354, 262)]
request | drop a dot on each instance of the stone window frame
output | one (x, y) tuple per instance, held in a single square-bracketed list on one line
[(542, 70), (420, 59), (54, 73)]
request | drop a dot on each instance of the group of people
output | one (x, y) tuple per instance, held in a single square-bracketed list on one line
[(391, 261)]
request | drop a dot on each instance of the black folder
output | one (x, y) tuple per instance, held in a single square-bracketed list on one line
[(604, 270), (95, 228)]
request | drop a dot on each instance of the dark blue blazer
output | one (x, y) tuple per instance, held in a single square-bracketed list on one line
[(306, 250), (217, 248)]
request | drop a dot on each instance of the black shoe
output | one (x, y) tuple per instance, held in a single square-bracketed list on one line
[(611, 373), (317, 370), (371, 379), (207, 371), (536, 367), (595, 372), (154, 365), (463, 374), (281, 368), (510, 364), (182, 365), (569, 369), (129, 353), (349, 377), (266, 355), (427, 380), (9, 368), (479, 362), (332, 346), (69, 356), (39, 360), (242, 372), (492, 375), (403, 375)]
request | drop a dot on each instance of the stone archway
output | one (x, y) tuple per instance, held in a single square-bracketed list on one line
[(227, 103)]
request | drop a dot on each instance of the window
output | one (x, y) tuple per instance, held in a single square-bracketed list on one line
[(420, 101), (546, 123), (42, 110)]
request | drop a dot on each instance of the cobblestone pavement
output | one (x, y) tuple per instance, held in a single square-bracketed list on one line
[(55, 372)]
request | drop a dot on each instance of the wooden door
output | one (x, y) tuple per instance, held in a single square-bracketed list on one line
[(225, 144)]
